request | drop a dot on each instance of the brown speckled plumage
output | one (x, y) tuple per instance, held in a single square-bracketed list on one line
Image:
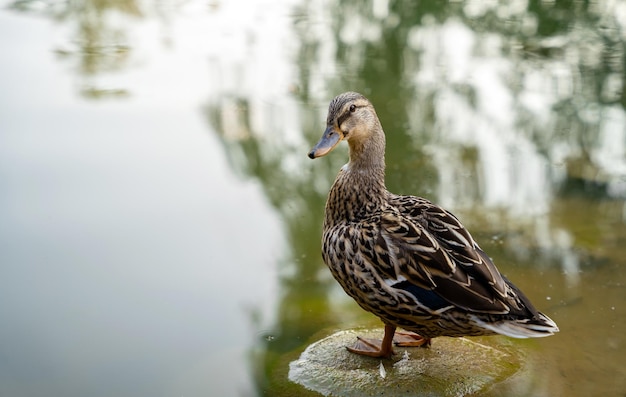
[(403, 258)]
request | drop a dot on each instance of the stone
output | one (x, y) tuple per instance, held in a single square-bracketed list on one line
[(450, 367)]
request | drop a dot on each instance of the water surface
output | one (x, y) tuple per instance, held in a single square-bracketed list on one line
[(161, 220)]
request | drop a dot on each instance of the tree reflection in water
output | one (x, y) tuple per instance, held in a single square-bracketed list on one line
[(509, 113)]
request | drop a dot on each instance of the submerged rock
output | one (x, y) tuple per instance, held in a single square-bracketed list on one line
[(451, 367)]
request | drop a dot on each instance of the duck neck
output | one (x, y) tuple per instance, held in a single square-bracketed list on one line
[(359, 189), (368, 156)]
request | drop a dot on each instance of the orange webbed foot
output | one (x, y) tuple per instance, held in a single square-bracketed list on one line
[(410, 339), (371, 348), (375, 347)]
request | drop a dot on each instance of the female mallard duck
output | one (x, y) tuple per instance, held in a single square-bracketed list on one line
[(405, 259)]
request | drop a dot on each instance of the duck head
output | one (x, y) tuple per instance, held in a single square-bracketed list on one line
[(351, 117)]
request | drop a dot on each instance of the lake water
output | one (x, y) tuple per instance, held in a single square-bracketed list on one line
[(160, 220)]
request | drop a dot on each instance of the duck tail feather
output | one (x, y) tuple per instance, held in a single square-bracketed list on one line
[(538, 327)]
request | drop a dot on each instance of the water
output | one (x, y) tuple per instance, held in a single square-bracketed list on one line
[(161, 221)]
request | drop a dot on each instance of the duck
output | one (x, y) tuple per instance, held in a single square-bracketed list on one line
[(405, 259)]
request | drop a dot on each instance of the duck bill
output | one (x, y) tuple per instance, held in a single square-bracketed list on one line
[(329, 140)]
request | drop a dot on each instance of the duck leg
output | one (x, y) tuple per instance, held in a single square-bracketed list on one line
[(410, 339), (375, 347)]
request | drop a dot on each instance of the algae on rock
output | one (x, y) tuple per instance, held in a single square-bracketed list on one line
[(451, 367)]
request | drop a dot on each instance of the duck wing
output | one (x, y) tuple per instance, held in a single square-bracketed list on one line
[(433, 251)]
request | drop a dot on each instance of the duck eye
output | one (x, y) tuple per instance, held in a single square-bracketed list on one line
[(352, 108)]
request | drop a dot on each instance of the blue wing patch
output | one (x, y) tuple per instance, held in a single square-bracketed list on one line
[(425, 297)]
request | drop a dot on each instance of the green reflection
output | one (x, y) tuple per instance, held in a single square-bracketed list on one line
[(559, 66), (99, 44)]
